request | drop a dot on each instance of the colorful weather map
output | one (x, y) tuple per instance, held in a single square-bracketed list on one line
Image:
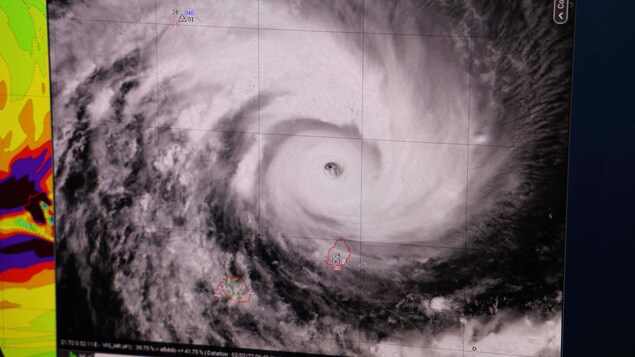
[(26, 184)]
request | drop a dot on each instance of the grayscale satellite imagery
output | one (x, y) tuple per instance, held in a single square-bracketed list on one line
[(335, 177)]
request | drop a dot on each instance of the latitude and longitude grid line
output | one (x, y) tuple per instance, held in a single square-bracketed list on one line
[(361, 182), (302, 30), (334, 137), (259, 141), (470, 37), (156, 53), (156, 132), (463, 274)]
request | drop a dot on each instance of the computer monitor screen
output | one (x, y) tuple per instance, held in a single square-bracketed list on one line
[(319, 177)]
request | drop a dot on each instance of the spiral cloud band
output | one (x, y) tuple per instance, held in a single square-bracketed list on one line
[(247, 140)]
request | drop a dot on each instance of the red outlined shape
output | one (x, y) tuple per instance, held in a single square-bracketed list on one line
[(225, 290), (335, 256)]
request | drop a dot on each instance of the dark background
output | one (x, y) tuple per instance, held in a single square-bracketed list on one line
[(599, 305)]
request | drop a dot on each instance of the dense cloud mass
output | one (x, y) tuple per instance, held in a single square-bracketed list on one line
[(246, 139)]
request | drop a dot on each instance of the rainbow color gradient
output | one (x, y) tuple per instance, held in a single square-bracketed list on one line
[(27, 280)]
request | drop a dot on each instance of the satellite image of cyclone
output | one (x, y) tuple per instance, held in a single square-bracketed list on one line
[(374, 178)]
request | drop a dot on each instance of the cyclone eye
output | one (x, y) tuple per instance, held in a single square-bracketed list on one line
[(333, 170)]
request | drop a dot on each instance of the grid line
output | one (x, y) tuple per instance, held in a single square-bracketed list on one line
[(117, 21), (158, 138), (361, 180), (302, 30), (259, 140), (414, 245), (337, 137), (467, 175), (156, 53)]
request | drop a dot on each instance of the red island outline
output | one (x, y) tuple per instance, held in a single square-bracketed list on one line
[(222, 291), (328, 255)]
